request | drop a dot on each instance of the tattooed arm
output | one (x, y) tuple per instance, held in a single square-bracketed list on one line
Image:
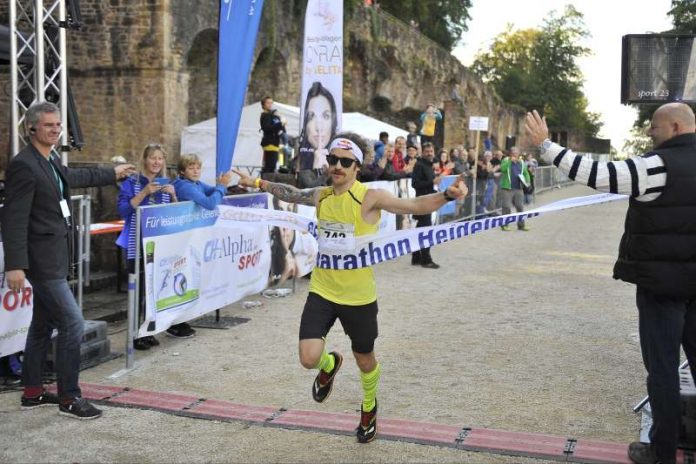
[(283, 192)]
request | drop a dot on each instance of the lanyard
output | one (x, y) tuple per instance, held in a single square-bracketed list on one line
[(58, 178)]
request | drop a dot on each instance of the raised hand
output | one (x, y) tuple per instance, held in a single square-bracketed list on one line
[(123, 170), (458, 188), (244, 179), (536, 127), (225, 178)]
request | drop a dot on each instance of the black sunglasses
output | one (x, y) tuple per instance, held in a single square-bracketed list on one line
[(345, 162)]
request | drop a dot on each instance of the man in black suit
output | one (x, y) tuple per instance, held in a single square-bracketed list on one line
[(37, 239)]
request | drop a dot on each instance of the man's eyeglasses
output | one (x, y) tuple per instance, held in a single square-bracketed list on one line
[(345, 162)]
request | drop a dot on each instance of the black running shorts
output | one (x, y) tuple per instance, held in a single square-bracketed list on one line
[(359, 322)]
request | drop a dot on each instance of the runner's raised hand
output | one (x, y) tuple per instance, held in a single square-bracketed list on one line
[(244, 179), (458, 188)]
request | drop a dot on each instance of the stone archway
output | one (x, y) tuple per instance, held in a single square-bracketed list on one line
[(269, 77), (201, 63)]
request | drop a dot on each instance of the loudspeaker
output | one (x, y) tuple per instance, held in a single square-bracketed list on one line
[(510, 142), (657, 68)]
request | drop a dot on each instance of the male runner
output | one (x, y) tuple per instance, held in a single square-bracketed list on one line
[(346, 210)]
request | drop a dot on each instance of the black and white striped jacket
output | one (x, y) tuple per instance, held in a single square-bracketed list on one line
[(642, 177)]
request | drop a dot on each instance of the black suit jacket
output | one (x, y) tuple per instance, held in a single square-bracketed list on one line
[(35, 236)]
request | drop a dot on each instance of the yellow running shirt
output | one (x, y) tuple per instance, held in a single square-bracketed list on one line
[(340, 216)]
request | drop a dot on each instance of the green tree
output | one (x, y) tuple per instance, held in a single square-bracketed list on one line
[(683, 15), (639, 142), (443, 21), (537, 69)]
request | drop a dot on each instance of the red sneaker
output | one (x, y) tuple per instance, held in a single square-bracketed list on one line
[(323, 383), (367, 429)]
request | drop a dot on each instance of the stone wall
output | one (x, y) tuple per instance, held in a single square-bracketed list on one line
[(141, 70), (393, 72)]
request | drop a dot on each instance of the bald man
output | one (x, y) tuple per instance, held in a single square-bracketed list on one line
[(657, 253)]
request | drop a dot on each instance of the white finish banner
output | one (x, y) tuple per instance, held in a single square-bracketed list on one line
[(374, 249), (15, 314)]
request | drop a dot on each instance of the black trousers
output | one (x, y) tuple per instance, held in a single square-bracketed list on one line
[(270, 160), (665, 324), (422, 256)]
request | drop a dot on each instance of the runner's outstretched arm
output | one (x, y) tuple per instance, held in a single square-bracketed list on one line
[(384, 200), (283, 192)]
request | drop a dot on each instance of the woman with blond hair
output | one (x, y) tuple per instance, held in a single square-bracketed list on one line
[(149, 186)]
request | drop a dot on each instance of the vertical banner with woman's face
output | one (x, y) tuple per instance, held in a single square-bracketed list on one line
[(322, 80)]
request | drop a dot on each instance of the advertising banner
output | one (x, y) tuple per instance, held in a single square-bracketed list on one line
[(193, 267), (15, 314), (197, 262), (293, 252), (321, 104)]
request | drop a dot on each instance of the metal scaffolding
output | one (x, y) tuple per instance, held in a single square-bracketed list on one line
[(38, 65)]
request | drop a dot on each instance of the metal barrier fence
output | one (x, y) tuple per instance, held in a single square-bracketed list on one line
[(548, 177), (82, 217), (251, 170), (545, 178)]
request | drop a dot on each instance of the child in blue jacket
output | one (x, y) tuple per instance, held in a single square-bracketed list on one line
[(189, 187)]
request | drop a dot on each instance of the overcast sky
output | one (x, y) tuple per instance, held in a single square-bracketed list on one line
[(607, 22)]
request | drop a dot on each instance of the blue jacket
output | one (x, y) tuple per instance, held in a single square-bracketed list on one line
[(130, 188), (200, 193)]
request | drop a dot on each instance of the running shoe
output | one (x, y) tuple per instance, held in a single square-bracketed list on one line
[(367, 429), (323, 383)]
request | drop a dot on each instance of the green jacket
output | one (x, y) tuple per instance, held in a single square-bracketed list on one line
[(506, 172)]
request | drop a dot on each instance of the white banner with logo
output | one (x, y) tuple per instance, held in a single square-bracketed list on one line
[(192, 266), (321, 101), (15, 314)]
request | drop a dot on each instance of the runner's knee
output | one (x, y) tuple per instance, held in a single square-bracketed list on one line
[(309, 356), (366, 361)]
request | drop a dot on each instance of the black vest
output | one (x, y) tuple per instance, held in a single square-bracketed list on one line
[(658, 248)]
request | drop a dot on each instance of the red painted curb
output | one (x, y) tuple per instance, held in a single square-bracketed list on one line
[(470, 439), (316, 420), (153, 400), (219, 409), (419, 432), (516, 443)]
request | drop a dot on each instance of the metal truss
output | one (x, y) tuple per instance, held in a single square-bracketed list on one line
[(38, 64)]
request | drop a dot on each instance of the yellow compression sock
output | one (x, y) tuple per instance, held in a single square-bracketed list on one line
[(326, 362), (370, 382)]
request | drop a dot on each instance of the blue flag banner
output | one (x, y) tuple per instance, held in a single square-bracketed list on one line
[(239, 23)]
